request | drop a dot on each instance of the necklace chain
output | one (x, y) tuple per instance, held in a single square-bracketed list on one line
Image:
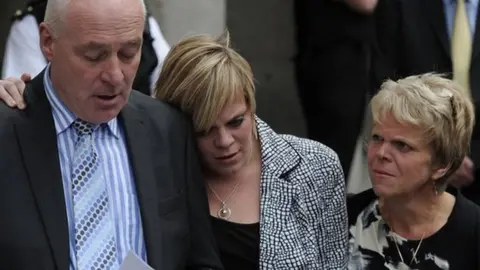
[(414, 257), (224, 212)]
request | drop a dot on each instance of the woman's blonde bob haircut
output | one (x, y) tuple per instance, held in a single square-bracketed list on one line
[(438, 106), (202, 75)]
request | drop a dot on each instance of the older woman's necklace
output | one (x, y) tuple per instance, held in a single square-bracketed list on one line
[(403, 265), (224, 212)]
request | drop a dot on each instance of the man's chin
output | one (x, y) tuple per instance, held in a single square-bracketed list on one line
[(101, 116)]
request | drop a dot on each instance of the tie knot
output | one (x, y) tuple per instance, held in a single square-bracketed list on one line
[(83, 128)]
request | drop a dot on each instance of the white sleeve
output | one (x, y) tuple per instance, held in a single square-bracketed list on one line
[(161, 47), (22, 49)]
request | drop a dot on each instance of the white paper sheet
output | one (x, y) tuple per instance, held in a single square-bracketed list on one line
[(132, 262)]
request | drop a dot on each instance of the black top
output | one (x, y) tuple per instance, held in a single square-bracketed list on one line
[(372, 243), (238, 244)]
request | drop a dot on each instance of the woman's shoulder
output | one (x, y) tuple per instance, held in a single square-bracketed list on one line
[(316, 153), (299, 158), (356, 203), (463, 225), (465, 212), (317, 164)]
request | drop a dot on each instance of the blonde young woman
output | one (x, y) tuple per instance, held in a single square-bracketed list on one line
[(276, 201), (411, 219)]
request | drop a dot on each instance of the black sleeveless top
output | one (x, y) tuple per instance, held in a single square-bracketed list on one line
[(148, 60), (238, 244)]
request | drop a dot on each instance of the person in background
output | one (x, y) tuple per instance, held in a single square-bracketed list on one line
[(23, 53), (411, 219), (91, 170), (276, 201), (331, 68)]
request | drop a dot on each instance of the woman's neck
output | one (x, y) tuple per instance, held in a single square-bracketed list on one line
[(418, 215)]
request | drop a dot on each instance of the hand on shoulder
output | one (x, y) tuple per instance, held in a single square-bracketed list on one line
[(11, 91)]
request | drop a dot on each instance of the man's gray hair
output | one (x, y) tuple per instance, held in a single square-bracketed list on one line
[(56, 10)]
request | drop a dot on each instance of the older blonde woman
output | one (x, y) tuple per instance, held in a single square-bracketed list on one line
[(276, 201), (411, 219)]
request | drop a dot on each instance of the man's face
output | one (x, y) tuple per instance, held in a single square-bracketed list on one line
[(95, 56)]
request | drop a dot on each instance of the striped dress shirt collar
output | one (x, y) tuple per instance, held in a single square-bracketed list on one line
[(64, 117)]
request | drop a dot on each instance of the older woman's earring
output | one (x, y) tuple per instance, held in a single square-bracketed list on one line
[(435, 189)]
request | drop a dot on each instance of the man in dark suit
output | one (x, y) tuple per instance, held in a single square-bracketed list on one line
[(91, 171), (332, 68), (419, 36)]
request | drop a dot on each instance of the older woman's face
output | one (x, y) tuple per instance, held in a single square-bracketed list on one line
[(228, 145), (399, 159)]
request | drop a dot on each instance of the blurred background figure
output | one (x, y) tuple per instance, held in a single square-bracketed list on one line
[(23, 54), (332, 67)]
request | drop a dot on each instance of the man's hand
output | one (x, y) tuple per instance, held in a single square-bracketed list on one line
[(362, 6), (464, 176), (11, 91)]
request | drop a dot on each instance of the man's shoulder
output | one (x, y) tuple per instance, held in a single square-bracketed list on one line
[(155, 109), (9, 115), (146, 102)]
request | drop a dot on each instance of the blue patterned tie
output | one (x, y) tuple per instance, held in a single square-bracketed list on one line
[(95, 244)]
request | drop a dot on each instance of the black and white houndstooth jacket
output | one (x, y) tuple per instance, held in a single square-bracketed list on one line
[(303, 217)]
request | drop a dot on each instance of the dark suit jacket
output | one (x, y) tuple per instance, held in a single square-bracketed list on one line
[(332, 67), (173, 203), (411, 38)]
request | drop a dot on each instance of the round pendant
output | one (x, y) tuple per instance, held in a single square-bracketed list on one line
[(224, 212)]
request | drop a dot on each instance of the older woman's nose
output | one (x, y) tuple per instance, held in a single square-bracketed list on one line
[(383, 152)]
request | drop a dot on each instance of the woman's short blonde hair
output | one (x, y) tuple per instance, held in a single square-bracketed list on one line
[(201, 75), (439, 106)]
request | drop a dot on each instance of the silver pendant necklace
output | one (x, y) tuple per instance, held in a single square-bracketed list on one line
[(224, 212), (403, 265)]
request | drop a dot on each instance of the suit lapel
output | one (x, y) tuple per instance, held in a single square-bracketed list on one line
[(140, 154), (38, 143), (435, 13)]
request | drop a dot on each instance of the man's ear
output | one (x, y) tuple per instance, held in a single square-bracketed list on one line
[(46, 41)]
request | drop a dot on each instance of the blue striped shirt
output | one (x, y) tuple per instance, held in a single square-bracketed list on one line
[(450, 7), (111, 147)]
